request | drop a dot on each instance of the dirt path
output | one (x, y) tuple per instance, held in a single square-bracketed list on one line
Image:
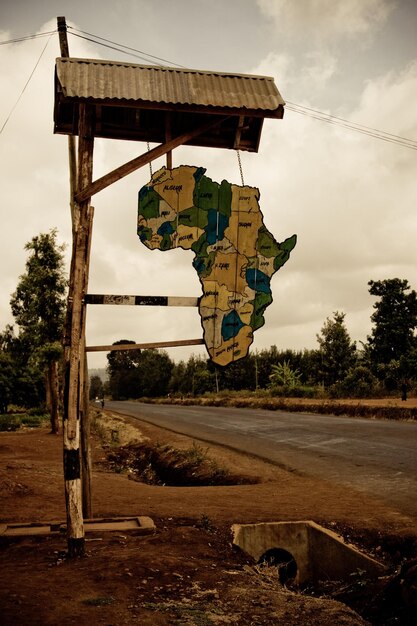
[(188, 572)]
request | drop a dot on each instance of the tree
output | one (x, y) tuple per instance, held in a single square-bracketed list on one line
[(137, 373), (122, 371), (38, 306), (96, 387), (154, 373), (336, 350), (395, 321)]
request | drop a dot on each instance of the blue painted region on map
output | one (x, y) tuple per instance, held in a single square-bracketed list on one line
[(165, 229), (258, 281), (217, 224), (231, 325), (199, 265), (144, 191), (200, 171)]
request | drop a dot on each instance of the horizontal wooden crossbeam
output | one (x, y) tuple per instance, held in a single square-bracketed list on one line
[(92, 298), (143, 159), (145, 346)]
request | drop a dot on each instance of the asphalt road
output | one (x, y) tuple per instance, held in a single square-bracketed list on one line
[(378, 457)]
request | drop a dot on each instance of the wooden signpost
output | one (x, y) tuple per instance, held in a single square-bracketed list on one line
[(189, 111)]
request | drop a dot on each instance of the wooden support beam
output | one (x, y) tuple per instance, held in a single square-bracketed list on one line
[(75, 339), (92, 298), (145, 346), (131, 166)]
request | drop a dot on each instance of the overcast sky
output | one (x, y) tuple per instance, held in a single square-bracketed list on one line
[(350, 198)]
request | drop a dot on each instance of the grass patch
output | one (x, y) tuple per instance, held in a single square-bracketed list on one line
[(292, 404), (157, 464), (10, 422)]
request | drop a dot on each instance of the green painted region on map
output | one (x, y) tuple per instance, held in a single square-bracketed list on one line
[(235, 254)]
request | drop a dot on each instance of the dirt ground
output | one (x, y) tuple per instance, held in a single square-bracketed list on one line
[(187, 571)]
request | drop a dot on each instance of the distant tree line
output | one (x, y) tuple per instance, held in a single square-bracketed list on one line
[(31, 350), (386, 362)]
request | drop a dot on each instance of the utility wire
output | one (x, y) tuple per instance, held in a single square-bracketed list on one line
[(119, 46), (26, 84), (290, 106), (359, 128), (18, 39), (300, 106)]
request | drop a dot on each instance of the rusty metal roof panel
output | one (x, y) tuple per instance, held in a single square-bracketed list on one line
[(116, 81)]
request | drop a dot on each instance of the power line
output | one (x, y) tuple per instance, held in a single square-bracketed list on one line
[(353, 126), (26, 84), (118, 46), (348, 121), (290, 106), (28, 37)]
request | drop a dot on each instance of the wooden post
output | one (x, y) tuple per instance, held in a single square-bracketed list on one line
[(75, 371), (77, 462), (85, 424)]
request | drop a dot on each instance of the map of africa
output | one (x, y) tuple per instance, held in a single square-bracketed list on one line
[(235, 255)]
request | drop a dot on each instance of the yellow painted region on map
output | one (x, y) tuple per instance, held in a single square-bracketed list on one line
[(215, 296), (161, 176), (245, 199), (245, 312), (179, 189), (185, 236), (266, 265), (166, 212), (224, 245), (238, 301), (229, 270), (233, 348), (211, 320), (245, 220)]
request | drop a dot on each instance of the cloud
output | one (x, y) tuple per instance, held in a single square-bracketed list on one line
[(326, 21), (350, 198)]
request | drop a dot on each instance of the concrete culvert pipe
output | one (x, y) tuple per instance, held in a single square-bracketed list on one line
[(284, 562)]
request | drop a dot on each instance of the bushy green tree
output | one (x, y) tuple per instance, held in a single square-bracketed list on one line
[(38, 306), (21, 377), (359, 382), (122, 371), (138, 373), (395, 321), (154, 373), (96, 387), (337, 353)]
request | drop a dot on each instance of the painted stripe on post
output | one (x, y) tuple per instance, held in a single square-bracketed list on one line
[(92, 298), (72, 466)]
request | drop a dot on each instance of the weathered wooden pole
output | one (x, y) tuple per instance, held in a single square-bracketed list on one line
[(85, 423), (75, 370), (75, 424)]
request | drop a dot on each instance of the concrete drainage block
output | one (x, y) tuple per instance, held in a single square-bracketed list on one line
[(303, 551)]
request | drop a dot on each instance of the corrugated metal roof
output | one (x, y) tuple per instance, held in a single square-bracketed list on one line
[(113, 80)]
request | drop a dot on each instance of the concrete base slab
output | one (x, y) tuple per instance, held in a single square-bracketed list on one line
[(317, 553), (141, 525)]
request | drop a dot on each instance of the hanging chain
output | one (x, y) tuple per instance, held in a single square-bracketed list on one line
[(150, 162), (240, 167)]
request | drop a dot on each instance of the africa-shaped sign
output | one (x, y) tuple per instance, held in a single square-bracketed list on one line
[(235, 255)]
